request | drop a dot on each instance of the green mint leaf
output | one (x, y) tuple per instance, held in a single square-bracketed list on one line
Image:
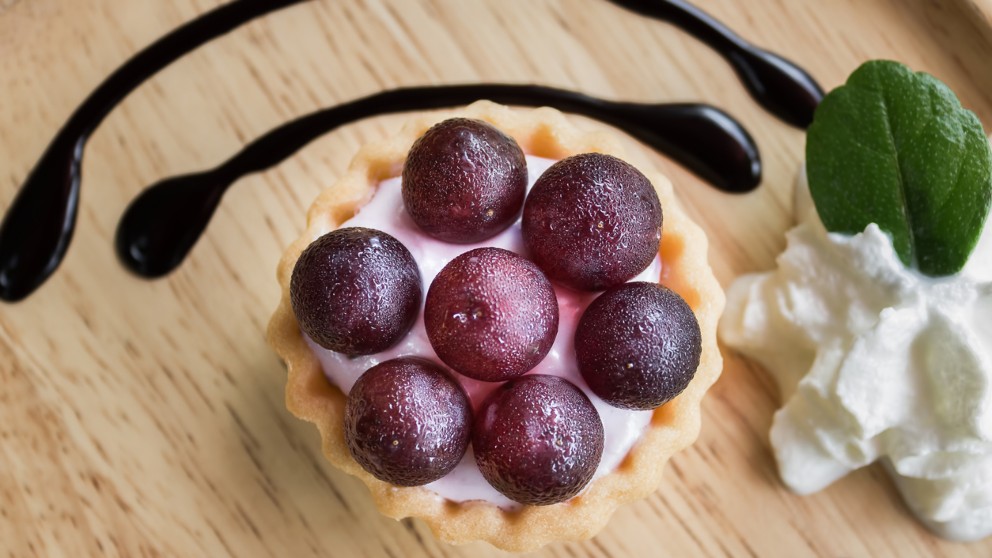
[(896, 148)]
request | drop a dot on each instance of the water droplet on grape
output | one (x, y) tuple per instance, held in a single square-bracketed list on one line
[(407, 421), (352, 299), (464, 181), (592, 221), (538, 439), (491, 314), (638, 345)]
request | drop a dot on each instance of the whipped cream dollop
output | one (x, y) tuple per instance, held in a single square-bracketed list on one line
[(875, 361), (385, 212)]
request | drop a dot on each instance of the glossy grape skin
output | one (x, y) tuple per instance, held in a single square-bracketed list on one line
[(356, 291), (638, 345), (407, 421), (464, 181), (538, 439), (592, 221), (491, 315)]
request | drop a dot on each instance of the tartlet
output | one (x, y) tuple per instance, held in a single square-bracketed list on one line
[(542, 132)]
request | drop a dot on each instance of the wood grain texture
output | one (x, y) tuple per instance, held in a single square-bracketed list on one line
[(146, 418), (982, 8)]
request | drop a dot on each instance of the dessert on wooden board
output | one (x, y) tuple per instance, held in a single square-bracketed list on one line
[(912, 299), (563, 345)]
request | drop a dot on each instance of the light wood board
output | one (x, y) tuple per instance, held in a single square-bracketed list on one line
[(146, 418)]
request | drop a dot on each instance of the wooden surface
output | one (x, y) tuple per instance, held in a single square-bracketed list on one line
[(147, 418)]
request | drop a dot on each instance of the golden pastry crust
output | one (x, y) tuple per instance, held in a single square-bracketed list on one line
[(546, 133)]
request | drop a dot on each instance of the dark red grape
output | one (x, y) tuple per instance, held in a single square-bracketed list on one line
[(491, 314), (356, 291), (464, 181), (638, 345), (592, 221), (407, 421), (538, 439)]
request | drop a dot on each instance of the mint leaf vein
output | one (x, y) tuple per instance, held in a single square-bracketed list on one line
[(896, 148)]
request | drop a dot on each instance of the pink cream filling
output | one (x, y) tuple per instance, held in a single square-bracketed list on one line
[(385, 212)]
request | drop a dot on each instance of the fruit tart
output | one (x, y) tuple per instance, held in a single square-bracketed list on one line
[(499, 325)]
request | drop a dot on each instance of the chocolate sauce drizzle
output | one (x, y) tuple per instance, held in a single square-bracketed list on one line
[(163, 223), (781, 87), (161, 226), (38, 226)]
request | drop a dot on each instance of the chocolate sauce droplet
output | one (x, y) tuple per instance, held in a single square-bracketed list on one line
[(781, 87), (38, 226), (162, 224), (36, 231)]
